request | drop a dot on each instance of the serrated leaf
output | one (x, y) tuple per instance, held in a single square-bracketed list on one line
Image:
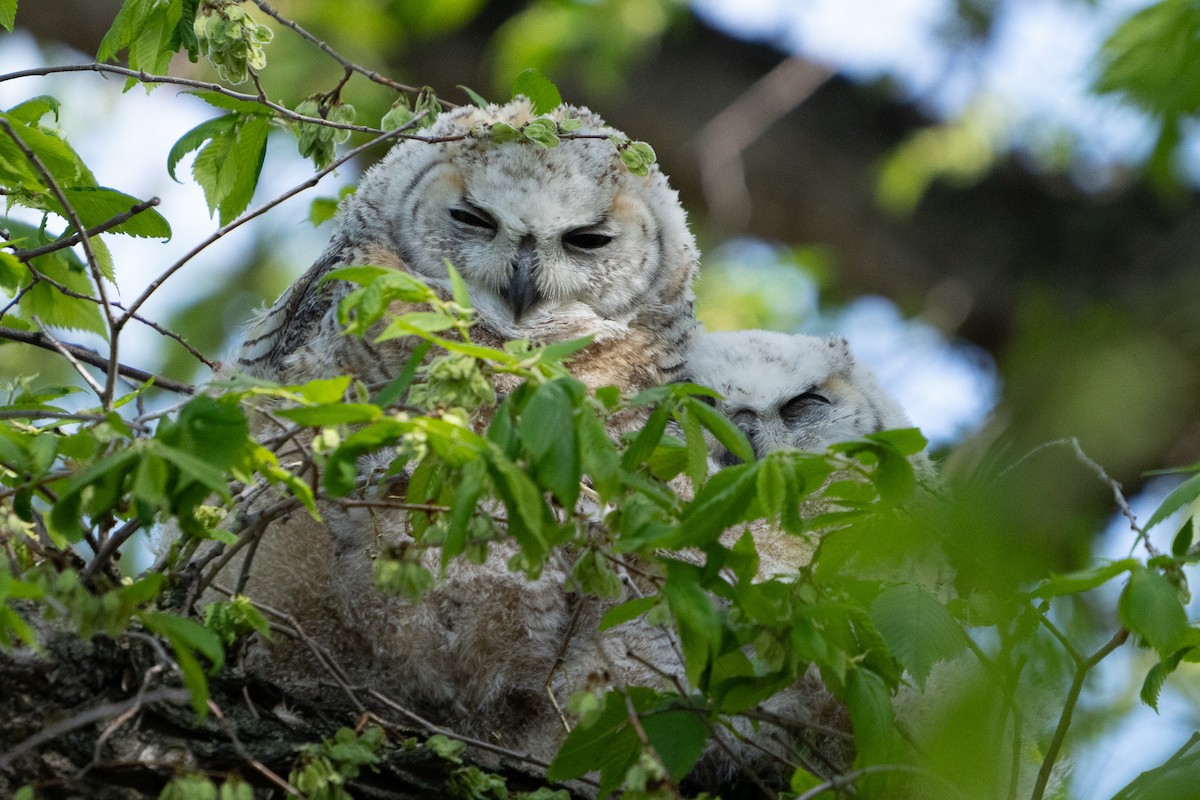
[(95, 205), (630, 609), (698, 621), (227, 168), (196, 137), (608, 744), (128, 23), (720, 504), (332, 414), (12, 272), (647, 439), (33, 109), (151, 50), (1157, 676), (397, 386), (918, 629), (59, 159), (462, 508), (560, 351), (1084, 579), (8, 14), (548, 432), (1183, 494), (679, 736), (1150, 607), (188, 637), (542, 93), (1153, 61), (871, 717)]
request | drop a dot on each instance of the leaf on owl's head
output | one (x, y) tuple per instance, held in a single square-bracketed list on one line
[(542, 93)]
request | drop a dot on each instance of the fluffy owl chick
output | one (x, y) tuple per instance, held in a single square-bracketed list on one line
[(553, 244), (796, 391)]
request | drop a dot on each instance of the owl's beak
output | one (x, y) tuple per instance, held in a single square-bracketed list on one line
[(522, 293)]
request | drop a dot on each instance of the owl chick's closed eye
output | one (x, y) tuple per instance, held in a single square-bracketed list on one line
[(791, 391)]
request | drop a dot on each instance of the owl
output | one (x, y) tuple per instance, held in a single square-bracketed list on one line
[(791, 391), (553, 244)]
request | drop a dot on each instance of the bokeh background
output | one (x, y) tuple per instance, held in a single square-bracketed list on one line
[(1015, 253)]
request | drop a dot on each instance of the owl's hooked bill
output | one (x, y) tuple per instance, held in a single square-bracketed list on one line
[(521, 293)]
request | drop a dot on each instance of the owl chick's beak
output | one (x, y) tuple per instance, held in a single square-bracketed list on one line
[(522, 293)]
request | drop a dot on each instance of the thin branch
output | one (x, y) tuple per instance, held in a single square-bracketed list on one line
[(88, 356), (145, 77), (110, 382), (1064, 721), (370, 75), (244, 218), (247, 756), (844, 781), (74, 362), (89, 716), (74, 238), (110, 547)]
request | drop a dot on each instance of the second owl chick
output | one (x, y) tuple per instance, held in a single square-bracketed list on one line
[(791, 390)]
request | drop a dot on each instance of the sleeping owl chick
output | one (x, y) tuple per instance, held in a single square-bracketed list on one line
[(791, 391), (554, 244), (796, 391)]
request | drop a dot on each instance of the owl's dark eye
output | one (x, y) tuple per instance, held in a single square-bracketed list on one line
[(587, 240), (476, 218), (802, 403), (746, 420)]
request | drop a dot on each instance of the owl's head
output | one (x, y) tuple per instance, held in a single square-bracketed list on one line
[(796, 391), (547, 239)]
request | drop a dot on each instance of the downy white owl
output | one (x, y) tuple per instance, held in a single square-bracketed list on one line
[(554, 244)]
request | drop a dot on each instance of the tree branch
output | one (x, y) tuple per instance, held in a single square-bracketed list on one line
[(74, 238), (89, 356)]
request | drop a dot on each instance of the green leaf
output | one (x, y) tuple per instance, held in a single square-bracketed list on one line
[(476, 98), (542, 93), (224, 101), (228, 167), (397, 386), (1084, 579), (128, 24), (608, 744), (720, 504), (458, 286), (698, 621), (33, 109), (1183, 494), (12, 272), (1152, 59), (1150, 607), (97, 204), (462, 508), (8, 14), (1157, 676), (871, 717), (188, 637), (560, 351), (321, 210), (679, 736), (647, 439), (62, 162), (630, 609), (548, 432), (197, 136), (918, 629), (332, 414), (728, 434)]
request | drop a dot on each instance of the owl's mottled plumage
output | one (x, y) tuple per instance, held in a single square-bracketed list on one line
[(796, 391), (554, 244)]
